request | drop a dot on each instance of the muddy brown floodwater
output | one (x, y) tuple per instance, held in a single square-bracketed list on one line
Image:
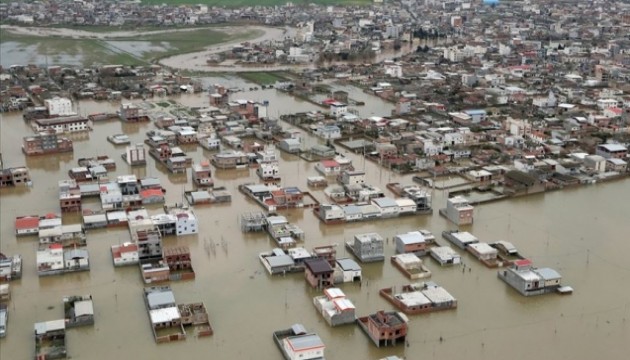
[(583, 233)]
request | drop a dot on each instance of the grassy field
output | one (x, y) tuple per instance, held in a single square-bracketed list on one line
[(126, 51), (237, 3), (262, 78)]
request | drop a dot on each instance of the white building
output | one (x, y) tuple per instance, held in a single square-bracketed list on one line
[(50, 259), (459, 211), (125, 254), (350, 270), (337, 109), (445, 255), (607, 103), (135, 155), (328, 132), (186, 223), (393, 70), (303, 347), (59, 107), (268, 171)]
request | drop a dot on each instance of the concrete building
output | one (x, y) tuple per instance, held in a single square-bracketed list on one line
[(297, 344), (367, 247), (335, 308), (59, 125), (59, 107), (459, 211), (318, 273), (411, 242), (529, 281), (46, 143), (125, 254), (135, 155), (166, 322), (445, 255), (346, 270), (385, 328), (610, 151)]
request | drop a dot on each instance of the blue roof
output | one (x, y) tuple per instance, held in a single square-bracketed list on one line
[(475, 112), (292, 190)]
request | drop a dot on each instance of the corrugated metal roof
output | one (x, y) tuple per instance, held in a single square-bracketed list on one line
[(548, 273), (279, 261), (160, 298), (304, 342), (438, 295), (347, 264), (412, 237)]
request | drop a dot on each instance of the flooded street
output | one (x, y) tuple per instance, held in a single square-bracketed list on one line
[(583, 233)]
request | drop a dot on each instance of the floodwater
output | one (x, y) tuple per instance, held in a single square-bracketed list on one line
[(583, 233)]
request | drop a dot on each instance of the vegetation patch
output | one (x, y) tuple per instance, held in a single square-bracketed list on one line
[(137, 50), (263, 78)]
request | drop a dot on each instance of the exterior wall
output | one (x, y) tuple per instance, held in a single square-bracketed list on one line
[(458, 216), (343, 317), (410, 248), (307, 354)]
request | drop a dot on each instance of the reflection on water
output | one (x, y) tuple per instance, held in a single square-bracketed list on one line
[(52, 162)]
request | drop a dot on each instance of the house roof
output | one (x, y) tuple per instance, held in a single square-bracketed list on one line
[(304, 342), (333, 293), (412, 237), (348, 264), (26, 222), (44, 327), (83, 307), (318, 266), (151, 192), (521, 177)]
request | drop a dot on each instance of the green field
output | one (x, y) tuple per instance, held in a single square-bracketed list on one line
[(263, 78), (237, 3), (136, 50)]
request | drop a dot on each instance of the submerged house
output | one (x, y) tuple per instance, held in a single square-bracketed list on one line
[(410, 265), (411, 242), (50, 340), (385, 327), (367, 247), (125, 254), (10, 267), (458, 211), (445, 255), (420, 298), (296, 343), (319, 273), (530, 281), (78, 310), (335, 307), (166, 321)]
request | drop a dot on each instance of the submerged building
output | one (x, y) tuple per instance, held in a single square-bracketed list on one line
[(530, 281)]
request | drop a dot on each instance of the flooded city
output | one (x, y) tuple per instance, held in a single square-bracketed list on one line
[(582, 233), (362, 180)]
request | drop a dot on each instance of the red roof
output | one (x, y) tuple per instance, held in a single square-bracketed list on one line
[(55, 246), (27, 222), (151, 192), (524, 262), (329, 163), (124, 248)]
